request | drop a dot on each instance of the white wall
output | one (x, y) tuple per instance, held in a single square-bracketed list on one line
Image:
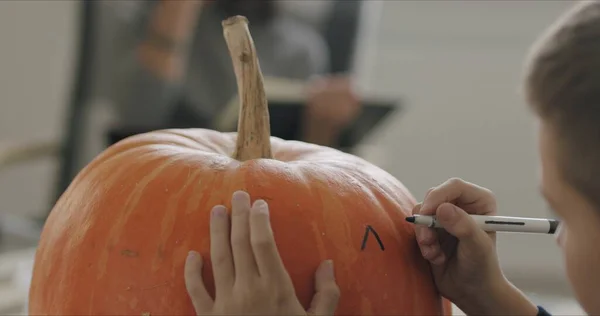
[(36, 61), (457, 65)]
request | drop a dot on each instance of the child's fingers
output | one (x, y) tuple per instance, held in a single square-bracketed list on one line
[(439, 259), (459, 224), (194, 284), (263, 243), (425, 236), (431, 252), (459, 192), (428, 240), (434, 254), (243, 257), (220, 250), (327, 294)]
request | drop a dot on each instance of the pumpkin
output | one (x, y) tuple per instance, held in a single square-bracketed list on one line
[(117, 239)]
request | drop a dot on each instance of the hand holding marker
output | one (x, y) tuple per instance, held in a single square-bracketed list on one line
[(498, 223)]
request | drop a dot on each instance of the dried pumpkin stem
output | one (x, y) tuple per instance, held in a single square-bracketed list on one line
[(254, 132)]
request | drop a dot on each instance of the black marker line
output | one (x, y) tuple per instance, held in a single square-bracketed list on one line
[(366, 237), (505, 223)]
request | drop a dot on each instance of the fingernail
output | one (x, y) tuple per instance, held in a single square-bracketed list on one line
[(219, 211), (237, 195), (192, 255), (261, 206)]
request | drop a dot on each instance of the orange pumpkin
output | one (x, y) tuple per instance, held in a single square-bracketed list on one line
[(116, 241)]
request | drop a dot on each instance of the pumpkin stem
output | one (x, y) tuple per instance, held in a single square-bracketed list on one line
[(254, 131)]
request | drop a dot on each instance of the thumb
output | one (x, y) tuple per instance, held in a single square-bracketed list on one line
[(194, 284), (327, 293), (460, 225)]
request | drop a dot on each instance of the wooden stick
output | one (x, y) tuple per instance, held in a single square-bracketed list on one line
[(254, 131)]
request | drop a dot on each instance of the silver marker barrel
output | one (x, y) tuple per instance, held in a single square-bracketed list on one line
[(498, 223)]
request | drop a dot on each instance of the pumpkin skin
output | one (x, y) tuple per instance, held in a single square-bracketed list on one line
[(116, 241)]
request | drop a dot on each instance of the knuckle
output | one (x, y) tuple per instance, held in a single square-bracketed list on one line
[(455, 181), (248, 294), (489, 194), (219, 258), (429, 191), (238, 240), (425, 237), (267, 290), (432, 194), (244, 300), (263, 242), (332, 291), (488, 201)]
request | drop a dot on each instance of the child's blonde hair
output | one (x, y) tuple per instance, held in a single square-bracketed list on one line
[(562, 85)]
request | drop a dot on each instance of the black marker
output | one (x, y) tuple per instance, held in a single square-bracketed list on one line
[(498, 223)]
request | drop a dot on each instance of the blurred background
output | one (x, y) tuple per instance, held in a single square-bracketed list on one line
[(452, 68)]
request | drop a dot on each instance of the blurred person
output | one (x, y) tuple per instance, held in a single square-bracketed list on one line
[(171, 65)]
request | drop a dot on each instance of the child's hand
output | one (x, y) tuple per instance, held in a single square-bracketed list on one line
[(463, 257), (250, 278)]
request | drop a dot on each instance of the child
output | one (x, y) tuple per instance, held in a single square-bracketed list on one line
[(562, 85)]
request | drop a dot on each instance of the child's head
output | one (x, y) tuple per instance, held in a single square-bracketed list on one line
[(562, 85)]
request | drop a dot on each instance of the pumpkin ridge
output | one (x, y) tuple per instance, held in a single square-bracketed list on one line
[(117, 227), (180, 133)]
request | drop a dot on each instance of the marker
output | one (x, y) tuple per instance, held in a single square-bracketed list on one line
[(498, 223)]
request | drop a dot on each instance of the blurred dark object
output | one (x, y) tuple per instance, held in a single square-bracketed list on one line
[(285, 119), (183, 117), (79, 96), (341, 34), (257, 11)]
